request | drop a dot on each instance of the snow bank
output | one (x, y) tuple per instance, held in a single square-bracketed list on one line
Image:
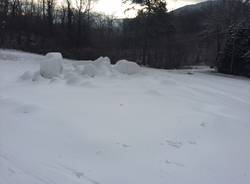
[(100, 66), (127, 67), (90, 70), (72, 78), (103, 66), (26, 75), (31, 76), (36, 76), (54, 55), (81, 63), (102, 61), (51, 66)]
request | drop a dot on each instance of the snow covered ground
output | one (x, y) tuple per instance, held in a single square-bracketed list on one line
[(153, 127)]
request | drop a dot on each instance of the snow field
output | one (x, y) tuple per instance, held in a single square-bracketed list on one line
[(156, 126)]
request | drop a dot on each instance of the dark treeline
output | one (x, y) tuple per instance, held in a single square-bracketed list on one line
[(212, 32), (42, 26)]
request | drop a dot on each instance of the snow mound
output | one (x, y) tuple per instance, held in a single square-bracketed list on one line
[(52, 66), (26, 76), (54, 55), (36, 76), (81, 63), (31, 76), (99, 67), (127, 67), (90, 70), (102, 61), (72, 78), (103, 66)]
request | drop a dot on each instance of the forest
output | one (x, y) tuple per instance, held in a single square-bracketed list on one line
[(214, 33)]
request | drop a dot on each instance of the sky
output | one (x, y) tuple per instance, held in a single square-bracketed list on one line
[(116, 8)]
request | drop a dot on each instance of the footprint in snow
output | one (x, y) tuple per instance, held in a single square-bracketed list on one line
[(174, 163), (98, 152), (192, 142), (203, 124), (79, 175), (25, 109), (83, 176), (124, 145), (153, 93), (174, 144)]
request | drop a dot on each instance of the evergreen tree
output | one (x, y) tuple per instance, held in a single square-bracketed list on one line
[(153, 27), (233, 58)]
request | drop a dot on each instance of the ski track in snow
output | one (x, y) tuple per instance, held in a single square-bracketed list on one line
[(156, 126)]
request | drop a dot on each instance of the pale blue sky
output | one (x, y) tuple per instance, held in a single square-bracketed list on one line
[(115, 7)]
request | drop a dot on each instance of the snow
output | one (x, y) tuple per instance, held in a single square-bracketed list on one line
[(103, 66), (127, 67), (156, 126), (100, 67), (52, 65), (90, 70), (54, 55), (26, 75)]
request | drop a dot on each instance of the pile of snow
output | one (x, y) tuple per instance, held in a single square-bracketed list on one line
[(90, 70), (103, 66), (52, 65), (127, 67), (99, 67), (33, 76), (37, 76), (81, 63), (102, 61), (71, 78), (26, 75)]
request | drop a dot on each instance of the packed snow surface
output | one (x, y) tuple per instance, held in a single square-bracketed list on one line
[(153, 127)]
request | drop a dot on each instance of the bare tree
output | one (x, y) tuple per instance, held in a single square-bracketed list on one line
[(83, 10), (50, 11), (69, 17)]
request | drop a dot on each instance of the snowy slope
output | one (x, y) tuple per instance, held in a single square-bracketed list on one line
[(154, 127)]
